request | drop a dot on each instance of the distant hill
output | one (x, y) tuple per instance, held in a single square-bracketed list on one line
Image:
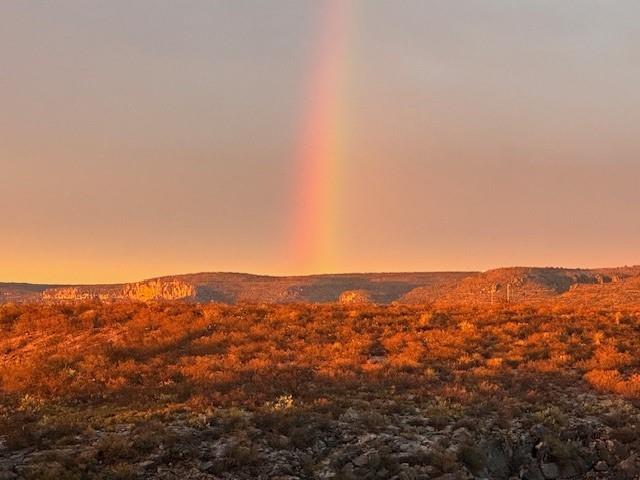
[(241, 288), (502, 285), (523, 284), (528, 284), (21, 292), (624, 292)]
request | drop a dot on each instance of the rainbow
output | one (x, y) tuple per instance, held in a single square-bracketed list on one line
[(320, 150)]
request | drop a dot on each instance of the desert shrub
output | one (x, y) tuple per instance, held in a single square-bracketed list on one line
[(9, 312), (20, 430), (473, 457), (613, 381), (114, 447), (223, 357), (436, 320), (149, 436)]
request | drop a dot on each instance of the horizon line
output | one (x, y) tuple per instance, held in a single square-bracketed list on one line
[(325, 274)]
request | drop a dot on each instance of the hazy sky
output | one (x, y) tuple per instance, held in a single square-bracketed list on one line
[(152, 137)]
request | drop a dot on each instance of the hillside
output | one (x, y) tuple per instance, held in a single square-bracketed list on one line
[(21, 292), (612, 286), (523, 284), (241, 288), (527, 285), (106, 391), (622, 293)]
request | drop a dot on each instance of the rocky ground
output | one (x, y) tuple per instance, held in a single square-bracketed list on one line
[(177, 391), (415, 440)]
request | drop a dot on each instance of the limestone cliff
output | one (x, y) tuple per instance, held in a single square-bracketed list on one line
[(159, 289), (519, 284), (81, 293), (355, 297)]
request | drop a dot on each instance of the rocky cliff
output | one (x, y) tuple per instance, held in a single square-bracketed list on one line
[(88, 292), (156, 289), (506, 285), (159, 289)]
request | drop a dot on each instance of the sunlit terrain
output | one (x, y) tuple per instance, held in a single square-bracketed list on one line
[(168, 390), (319, 240)]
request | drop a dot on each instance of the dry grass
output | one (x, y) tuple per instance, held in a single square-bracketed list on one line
[(249, 355), (67, 369)]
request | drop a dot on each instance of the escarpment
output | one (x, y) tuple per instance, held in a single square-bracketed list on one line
[(148, 290)]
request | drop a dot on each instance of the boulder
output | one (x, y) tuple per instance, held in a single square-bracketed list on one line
[(550, 470)]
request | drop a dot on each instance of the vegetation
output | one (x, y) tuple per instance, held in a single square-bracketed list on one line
[(128, 390)]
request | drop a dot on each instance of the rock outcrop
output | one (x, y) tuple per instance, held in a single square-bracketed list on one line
[(159, 289), (98, 292), (355, 297), (505, 285)]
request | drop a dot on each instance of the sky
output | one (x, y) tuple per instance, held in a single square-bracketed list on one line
[(156, 137)]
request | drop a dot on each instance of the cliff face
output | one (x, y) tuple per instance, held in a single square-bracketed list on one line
[(355, 297), (244, 288), (159, 289), (498, 286), (81, 293)]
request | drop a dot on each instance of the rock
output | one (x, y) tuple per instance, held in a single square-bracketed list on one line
[(521, 453), (160, 289), (497, 458), (550, 470), (355, 297), (430, 470), (361, 461), (601, 466), (350, 415), (568, 471), (446, 476), (620, 450), (347, 470), (370, 460), (157, 289), (204, 466), (407, 473), (461, 435), (604, 453), (532, 472), (382, 473), (585, 461), (538, 431), (281, 441), (628, 468)]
